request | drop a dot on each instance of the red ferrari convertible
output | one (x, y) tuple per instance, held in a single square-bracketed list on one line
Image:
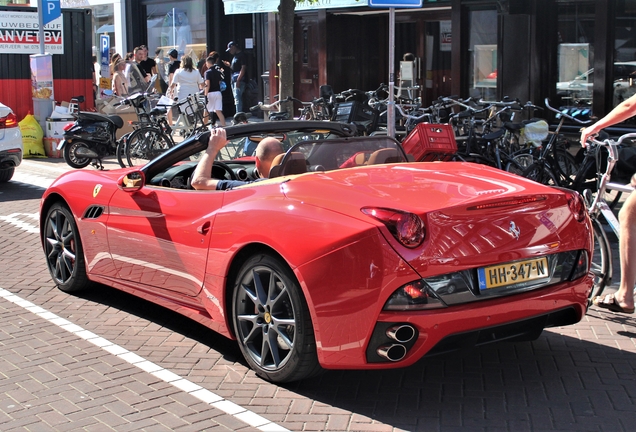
[(350, 256)]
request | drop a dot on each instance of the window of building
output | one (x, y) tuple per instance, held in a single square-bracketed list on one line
[(575, 55), (179, 25), (483, 54), (624, 73)]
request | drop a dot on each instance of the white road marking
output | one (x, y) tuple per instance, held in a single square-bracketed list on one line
[(21, 220), (17, 219), (187, 386), (32, 179)]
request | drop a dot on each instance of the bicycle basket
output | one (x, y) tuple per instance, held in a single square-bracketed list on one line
[(535, 132)]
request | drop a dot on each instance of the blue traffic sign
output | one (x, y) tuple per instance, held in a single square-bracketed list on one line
[(51, 10), (395, 3)]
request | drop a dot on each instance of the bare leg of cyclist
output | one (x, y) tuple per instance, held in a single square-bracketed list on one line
[(627, 245), (219, 113)]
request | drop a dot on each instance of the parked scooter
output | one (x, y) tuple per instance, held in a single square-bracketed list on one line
[(93, 136), (90, 138)]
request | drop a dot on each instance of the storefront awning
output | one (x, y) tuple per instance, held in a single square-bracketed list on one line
[(233, 7)]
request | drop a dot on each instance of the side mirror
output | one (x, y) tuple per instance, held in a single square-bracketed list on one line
[(132, 182)]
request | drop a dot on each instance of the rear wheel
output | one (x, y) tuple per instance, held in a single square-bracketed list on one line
[(71, 157), (143, 145), (272, 322), (63, 250)]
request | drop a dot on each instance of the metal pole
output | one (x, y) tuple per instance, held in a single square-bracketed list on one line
[(390, 115), (41, 25)]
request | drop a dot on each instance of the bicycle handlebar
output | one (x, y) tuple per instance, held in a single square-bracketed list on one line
[(610, 142), (567, 116)]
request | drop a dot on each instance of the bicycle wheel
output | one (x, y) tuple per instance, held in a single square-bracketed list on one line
[(121, 150), (567, 167), (601, 265), (541, 173), (145, 144)]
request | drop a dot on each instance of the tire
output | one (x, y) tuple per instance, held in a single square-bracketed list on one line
[(524, 160), (121, 150), (6, 174), (272, 322), (143, 145), (63, 250), (540, 173), (515, 167), (70, 156), (568, 167), (601, 260)]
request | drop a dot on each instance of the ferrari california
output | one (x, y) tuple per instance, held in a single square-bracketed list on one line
[(350, 256)]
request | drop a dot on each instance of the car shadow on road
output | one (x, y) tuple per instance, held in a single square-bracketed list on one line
[(558, 382), (18, 191), (165, 318)]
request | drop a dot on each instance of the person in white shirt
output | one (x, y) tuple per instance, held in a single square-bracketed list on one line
[(187, 80)]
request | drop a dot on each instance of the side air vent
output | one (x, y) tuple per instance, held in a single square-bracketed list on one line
[(93, 212)]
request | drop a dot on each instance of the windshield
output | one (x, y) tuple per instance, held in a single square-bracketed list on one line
[(338, 153), (244, 146)]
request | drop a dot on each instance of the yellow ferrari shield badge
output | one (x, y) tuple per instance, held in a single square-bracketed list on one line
[(96, 190)]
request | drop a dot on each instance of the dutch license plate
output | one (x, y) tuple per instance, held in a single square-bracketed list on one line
[(512, 273)]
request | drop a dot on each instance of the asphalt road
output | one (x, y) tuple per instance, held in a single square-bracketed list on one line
[(104, 360)]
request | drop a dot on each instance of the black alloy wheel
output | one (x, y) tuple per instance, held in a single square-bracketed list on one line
[(272, 321), (63, 250)]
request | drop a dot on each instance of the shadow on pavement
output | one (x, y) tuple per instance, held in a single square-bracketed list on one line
[(17, 191)]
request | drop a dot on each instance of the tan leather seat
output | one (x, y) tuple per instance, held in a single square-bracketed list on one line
[(382, 156), (295, 163)]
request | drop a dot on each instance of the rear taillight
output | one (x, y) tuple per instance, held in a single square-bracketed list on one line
[(575, 203), (9, 121), (407, 228)]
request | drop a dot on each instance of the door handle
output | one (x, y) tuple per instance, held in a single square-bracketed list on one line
[(203, 229)]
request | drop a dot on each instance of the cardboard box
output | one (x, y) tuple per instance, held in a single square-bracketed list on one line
[(50, 147), (126, 117), (55, 126)]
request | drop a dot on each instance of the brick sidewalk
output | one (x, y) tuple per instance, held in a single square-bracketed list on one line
[(576, 378)]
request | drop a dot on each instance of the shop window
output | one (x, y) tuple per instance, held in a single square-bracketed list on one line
[(575, 55), (182, 28), (624, 71), (103, 24), (483, 54)]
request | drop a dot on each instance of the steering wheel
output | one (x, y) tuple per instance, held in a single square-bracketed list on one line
[(220, 171)]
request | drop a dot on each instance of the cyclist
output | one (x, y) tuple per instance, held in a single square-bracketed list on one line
[(265, 153), (623, 299)]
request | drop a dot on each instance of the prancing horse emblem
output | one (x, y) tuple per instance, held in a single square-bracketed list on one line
[(514, 230)]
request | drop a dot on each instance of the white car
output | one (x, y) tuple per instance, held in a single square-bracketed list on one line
[(581, 86), (10, 143)]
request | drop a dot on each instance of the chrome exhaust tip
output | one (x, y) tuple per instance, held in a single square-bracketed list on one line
[(401, 333), (395, 352)]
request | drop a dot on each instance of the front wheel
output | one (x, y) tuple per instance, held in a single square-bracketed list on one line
[(63, 250), (601, 260), (146, 144), (71, 157), (272, 322)]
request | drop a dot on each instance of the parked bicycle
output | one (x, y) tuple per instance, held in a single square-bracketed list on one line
[(553, 164)]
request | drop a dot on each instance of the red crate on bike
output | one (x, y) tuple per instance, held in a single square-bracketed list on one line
[(431, 142)]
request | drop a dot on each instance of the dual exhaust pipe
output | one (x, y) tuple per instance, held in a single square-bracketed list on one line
[(401, 334)]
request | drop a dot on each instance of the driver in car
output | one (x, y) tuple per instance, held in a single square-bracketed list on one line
[(265, 153)]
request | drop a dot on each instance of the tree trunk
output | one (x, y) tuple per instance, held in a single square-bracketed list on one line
[(286, 52)]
